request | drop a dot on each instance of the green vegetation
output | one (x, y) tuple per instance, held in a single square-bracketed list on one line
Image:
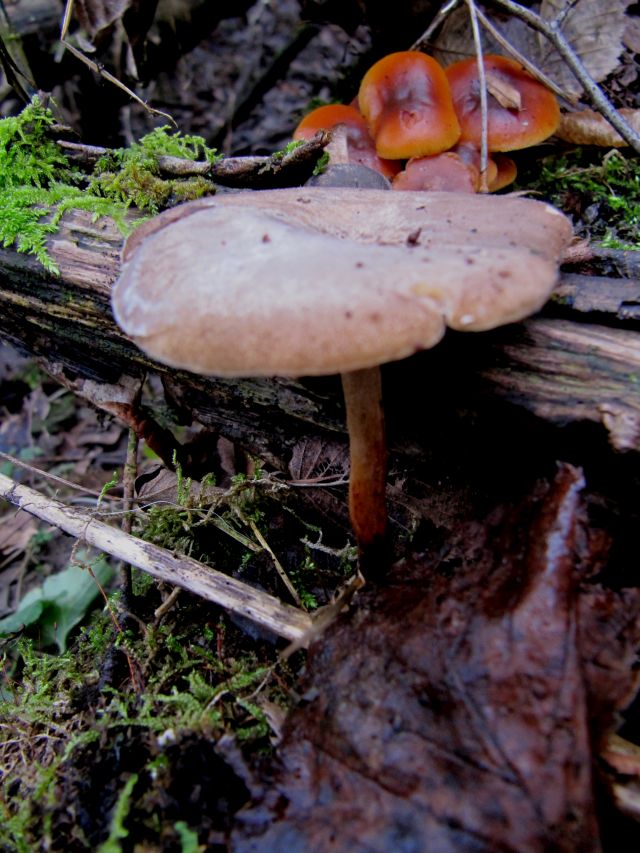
[(124, 726), (38, 184), (52, 610), (64, 715), (132, 175), (604, 197)]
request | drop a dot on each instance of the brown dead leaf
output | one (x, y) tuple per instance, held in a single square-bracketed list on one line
[(588, 127), (96, 16), (457, 709), (506, 95), (16, 530), (314, 460), (595, 31)]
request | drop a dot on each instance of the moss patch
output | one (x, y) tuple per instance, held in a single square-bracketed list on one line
[(38, 184), (600, 191)]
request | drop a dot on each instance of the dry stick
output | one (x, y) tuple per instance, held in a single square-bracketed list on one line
[(128, 490), (442, 14), (235, 171), (239, 598), (551, 30), (484, 109), (504, 42), (54, 478), (97, 69)]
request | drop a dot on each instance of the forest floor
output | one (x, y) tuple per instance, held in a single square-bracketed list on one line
[(150, 721)]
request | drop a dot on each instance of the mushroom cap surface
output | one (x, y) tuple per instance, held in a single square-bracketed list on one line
[(319, 281), (360, 144), (534, 120), (406, 101)]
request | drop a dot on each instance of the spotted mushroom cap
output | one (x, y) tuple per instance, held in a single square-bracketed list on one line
[(312, 282)]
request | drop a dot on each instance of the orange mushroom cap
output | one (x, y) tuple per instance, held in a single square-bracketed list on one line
[(506, 172), (407, 104), (446, 171), (530, 115), (360, 145)]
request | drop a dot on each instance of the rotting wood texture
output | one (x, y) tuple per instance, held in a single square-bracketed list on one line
[(561, 370)]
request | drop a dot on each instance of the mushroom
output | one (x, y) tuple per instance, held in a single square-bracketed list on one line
[(521, 111), (457, 170), (360, 146), (406, 101), (321, 281), (506, 171)]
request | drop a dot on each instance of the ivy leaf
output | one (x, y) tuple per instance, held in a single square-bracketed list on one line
[(62, 601)]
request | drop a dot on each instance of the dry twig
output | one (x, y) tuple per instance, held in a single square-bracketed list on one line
[(552, 31), (237, 597)]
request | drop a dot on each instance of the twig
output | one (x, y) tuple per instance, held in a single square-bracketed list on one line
[(484, 109), (230, 171), (54, 478), (98, 69), (442, 14), (167, 604), (128, 489), (237, 597), (504, 42), (279, 567), (551, 30)]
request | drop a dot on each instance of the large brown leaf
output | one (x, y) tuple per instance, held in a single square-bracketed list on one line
[(457, 710)]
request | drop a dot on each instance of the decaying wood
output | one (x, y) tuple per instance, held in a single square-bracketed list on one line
[(282, 169), (234, 595), (561, 370)]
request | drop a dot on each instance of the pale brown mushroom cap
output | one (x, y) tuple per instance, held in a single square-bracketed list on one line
[(312, 282)]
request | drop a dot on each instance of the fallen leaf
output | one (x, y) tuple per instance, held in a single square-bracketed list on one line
[(588, 127), (456, 709), (594, 31)]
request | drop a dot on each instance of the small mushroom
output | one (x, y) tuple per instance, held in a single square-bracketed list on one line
[(505, 172), (320, 281), (521, 111), (361, 148), (406, 101), (448, 172)]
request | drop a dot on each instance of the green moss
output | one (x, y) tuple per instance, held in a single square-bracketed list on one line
[(38, 184), (132, 175), (60, 719), (604, 196)]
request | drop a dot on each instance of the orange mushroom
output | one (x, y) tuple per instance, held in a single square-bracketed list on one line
[(506, 171), (521, 111), (407, 105), (446, 171), (361, 147), (457, 170)]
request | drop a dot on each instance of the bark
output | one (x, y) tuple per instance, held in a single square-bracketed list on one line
[(556, 366)]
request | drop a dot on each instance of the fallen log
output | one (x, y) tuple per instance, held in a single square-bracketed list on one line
[(557, 367)]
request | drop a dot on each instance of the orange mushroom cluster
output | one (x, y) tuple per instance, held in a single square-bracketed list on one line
[(419, 125)]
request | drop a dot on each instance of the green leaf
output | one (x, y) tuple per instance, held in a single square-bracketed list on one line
[(62, 601)]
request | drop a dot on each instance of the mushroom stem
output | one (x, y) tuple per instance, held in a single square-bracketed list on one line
[(367, 481)]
